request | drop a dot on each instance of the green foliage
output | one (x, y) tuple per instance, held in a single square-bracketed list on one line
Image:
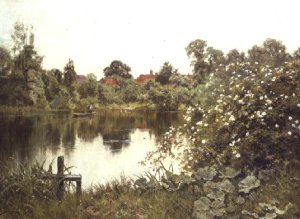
[(166, 71), (177, 79), (117, 68), (25, 195), (5, 61), (252, 118), (88, 88), (69, 74), (273, 53), (168, 98), (204, 60), (24, 55)]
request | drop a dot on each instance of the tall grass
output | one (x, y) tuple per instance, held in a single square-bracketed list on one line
[(23, 194)]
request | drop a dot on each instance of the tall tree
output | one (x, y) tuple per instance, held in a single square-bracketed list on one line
[(204, 59), (117, 68), (234, 56), (70, 74), (296, 54), (166, 71), (89, 88), (273, 53), (24, 54), (5, 61)]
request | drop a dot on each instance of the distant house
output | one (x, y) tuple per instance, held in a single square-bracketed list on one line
[(143, 78), (109, 81), (81, 79)]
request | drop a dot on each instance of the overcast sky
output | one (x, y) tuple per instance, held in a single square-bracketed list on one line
[(144, 34)]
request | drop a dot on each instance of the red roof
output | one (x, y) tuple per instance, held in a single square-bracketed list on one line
[(142, 78), (109, 81)]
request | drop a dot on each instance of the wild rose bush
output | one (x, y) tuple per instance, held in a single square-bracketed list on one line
[(249, 114)]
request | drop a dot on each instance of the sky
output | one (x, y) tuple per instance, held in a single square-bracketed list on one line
[(146, 33)]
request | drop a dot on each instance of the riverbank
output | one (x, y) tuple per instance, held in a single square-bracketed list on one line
[(208, 193), (25, 110)]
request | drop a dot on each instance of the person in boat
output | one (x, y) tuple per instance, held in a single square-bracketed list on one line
[(90, 108)]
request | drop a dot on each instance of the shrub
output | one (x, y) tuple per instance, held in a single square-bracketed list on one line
[(251, 118)]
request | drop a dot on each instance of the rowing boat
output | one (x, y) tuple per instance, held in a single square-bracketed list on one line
[(83, 114)]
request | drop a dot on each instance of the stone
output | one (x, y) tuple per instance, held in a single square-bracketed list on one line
[(249, 183)]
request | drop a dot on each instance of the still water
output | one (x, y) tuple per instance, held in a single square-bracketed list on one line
[(101, 148)]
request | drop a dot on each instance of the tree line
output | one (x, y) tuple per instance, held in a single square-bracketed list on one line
[(24, 81)]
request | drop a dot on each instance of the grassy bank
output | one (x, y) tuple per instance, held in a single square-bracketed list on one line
[(32, 110), (23, 194)]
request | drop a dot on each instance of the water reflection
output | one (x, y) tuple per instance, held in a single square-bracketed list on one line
[(100, 147)]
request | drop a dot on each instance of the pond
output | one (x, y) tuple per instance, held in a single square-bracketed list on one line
[(101, 148)]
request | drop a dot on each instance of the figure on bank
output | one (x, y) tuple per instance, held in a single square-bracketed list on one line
[(90, 108)]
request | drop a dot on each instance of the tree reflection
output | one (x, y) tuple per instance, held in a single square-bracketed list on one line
[(69, 135), (26, 137), (116, 140), (87, 129)]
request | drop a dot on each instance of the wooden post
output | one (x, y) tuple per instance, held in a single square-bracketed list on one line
[(60, 178), (60, 181), (78, 187)]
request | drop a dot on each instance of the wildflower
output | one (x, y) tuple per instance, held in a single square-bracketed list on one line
[(276, 126), (203, 141), (238, 155), (289, 133), (199, 123), (298, 104), (231, 118), (290, 118)]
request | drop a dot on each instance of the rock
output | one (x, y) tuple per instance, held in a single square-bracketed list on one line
[(229, 173), (249, 183), (206, 173), (202, 204)]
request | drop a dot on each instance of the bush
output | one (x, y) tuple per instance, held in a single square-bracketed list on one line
[(251, 118)]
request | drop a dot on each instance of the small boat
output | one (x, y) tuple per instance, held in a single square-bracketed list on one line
[(83, 114)]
